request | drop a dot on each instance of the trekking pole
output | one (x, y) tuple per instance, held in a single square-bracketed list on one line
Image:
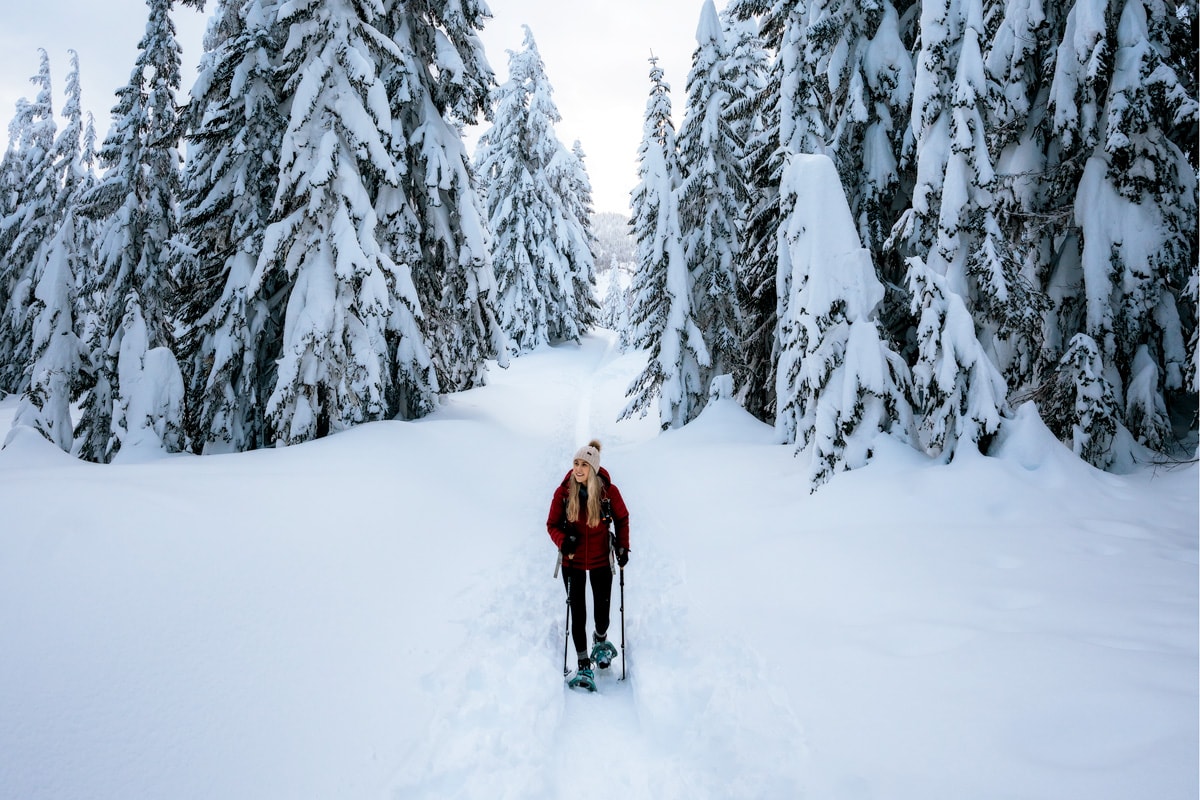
[(567, 624), (622, 623)]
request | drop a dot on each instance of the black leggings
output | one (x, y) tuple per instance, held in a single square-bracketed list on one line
[(601, 579)]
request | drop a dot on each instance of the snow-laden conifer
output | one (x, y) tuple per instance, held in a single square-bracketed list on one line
[(568, 173), (334, 366), (711, 196), (134, 209), (25, 230), (863, 82), (840, 384), (614, 308), (538, 202), (1136, 201), (1080, 405), (959, 393), (760, 119), (54, 372), (235, 130), (440, 82), (662, 317), (148, 415)]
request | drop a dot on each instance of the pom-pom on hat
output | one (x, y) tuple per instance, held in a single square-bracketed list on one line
[(590, 453)]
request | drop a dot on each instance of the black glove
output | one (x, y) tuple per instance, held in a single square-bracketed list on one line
[(569, 545), (622, 557)]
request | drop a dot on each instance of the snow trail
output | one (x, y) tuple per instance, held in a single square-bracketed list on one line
[(507, 726)]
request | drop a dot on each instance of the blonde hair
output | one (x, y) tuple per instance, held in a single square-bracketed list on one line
[(594, 489)]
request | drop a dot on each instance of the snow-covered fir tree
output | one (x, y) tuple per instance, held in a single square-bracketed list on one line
[(24, 231), (614, 308), (148, 414), (1131, 117), (335, 367), (538, 202), (1079, 405), (439, 82), (951, 227), (569, 171), (840, 384), (661, 319), (759, 119), (54, 372), (959, 393), (864, 87), (235, 130), (134, 206), (711, 196)]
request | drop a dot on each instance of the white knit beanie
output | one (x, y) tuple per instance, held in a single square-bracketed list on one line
[(590, 453)]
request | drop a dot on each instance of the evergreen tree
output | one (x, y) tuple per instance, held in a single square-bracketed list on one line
[(960, 395), (148, 413), (863, 83), (712, 196), (134, 205), (614, 309), (661, 317), (538, 199), (1135, 203), (760, 118), (54, 374), (440, 81), (952, 226), (568, 171), (334, 369), (1079, 405), (839, 382), (235, 128), (24, 231)]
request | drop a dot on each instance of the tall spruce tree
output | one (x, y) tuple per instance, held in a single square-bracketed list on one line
[(235, 130), (439, 82), (840, 384), (134, 206), (712, 196), (538, 201), (760, 118), (24, 231), (662, 317), (1132, 119), (863, 84), (950, 228), (54, 372), (335, 367)]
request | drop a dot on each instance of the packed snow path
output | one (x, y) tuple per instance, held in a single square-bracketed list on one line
[(511, 728), (373, 615)]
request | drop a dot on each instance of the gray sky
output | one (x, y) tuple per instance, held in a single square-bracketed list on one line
[(595, 53)]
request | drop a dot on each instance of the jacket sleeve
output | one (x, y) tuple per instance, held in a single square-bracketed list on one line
[(556, 520), (620, 516)]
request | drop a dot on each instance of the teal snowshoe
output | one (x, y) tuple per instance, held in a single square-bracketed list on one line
[(603, 652), (583, 678)]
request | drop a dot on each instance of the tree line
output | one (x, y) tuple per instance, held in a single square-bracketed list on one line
[(910, 218), (880, 218)]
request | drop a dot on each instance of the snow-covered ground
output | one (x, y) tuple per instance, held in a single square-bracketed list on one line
[(373, 615)]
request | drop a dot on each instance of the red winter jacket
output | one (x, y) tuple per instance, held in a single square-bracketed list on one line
[(592, 552)]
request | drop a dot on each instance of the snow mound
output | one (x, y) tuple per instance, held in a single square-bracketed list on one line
[(723, 421), (25, 447), (1026, 441)]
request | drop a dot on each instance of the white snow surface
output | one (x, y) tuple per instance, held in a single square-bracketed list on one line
[(373, 615)]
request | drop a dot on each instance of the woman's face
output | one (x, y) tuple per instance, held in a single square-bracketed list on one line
[(581, 469)]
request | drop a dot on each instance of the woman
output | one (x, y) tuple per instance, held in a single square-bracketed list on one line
[(584, 504)]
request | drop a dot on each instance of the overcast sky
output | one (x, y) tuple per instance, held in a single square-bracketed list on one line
[(595, 53)]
